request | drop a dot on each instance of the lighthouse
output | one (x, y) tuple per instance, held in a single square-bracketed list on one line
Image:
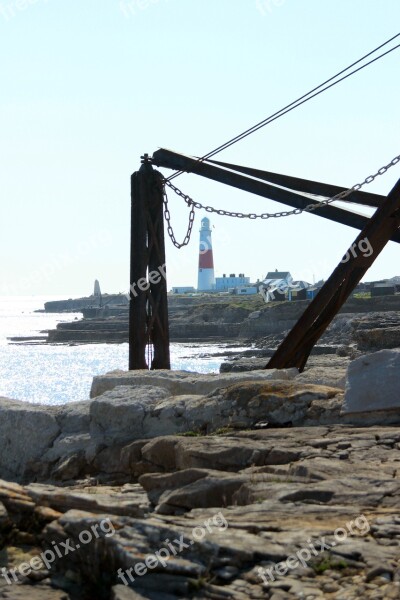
[(206, 279)]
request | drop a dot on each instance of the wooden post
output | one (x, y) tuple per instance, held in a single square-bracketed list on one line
[(148, 309), (158, 303), (138, 298), (383, 225)]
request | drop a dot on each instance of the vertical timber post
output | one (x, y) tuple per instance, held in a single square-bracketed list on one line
[(148, 307), (138, 270), (158, 300)]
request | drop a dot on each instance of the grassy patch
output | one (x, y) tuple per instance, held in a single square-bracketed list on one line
[(223, 431), (328, 562)]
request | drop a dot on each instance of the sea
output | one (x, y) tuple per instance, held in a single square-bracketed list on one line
[(41, 373)]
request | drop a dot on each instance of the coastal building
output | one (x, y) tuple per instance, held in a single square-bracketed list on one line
[(297, 290), (275, 285), (279, 286), (382, 288), (312, 292), (183, 290), (224, 283), (206, 278), (249, 290), (278, 277)]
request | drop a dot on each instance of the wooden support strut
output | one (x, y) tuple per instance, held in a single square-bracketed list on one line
[(296, 347), (148, 308), (305, 185), (174, 160)]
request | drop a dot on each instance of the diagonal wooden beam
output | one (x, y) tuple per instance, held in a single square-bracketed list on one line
[(306, 185), (296, 347), (174, 160)]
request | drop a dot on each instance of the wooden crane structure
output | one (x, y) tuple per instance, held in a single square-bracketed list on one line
[(149, 306)]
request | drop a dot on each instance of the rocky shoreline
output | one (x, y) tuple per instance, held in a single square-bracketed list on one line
[(216, 319), (276, 485)]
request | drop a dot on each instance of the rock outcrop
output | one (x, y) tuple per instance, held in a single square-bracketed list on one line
[(220, 318), (373, 383), (279, 317), (170, 485), (377, 331), (256, 514), (319, 370), (77, 440), (85, 438)]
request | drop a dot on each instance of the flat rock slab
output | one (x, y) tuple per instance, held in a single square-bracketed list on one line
[(373, 383), (183, 382), (221, 508), (91, 438), (42, 592), (129, 501), (26, 431), (66, 444)]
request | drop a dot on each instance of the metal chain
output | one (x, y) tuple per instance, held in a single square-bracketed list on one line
[(297, 211), (167, 215)]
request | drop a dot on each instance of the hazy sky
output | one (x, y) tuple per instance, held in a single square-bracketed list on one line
[(87, 86)]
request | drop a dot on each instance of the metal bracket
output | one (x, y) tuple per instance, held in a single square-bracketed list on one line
[(146, 159)]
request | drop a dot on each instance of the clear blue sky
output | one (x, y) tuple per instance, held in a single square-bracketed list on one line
[(87, 86)]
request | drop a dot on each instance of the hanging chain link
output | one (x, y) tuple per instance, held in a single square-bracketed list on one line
[(167, 216), (286, 213)]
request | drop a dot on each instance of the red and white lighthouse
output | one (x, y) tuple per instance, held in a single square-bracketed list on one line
[(206, 278)]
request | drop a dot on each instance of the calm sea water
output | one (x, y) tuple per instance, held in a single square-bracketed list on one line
[(49, 374)]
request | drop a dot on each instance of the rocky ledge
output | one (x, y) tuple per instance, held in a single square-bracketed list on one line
[(370, 323), (175, 485), (275, 514)]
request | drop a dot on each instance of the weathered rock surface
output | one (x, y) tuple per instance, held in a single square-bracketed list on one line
[(190, 318), (65, 440), (102, 438), (26, 431), (221, 318), (377, 339), (373, 383), (377, 331), (320, 370), (182, 382), (329, 371), (216, 517)]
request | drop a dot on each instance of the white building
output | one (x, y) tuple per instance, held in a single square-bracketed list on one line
[(183, 290), (224, 283), (275, 285), (279, 285)]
